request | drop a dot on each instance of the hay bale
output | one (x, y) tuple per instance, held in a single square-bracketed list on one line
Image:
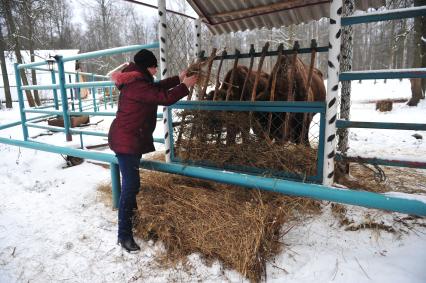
[(75, 121), (384, 105), (242, 228)]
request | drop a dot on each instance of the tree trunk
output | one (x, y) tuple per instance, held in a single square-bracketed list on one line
[(17, 47), (34, 76), (418, 85), (6, 85)]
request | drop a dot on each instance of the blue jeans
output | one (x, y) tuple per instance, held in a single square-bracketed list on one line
[(130, 184)]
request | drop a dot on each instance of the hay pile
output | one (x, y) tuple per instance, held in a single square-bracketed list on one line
[(242, 228)]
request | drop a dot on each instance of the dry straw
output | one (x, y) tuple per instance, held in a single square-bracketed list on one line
[(242, 228)]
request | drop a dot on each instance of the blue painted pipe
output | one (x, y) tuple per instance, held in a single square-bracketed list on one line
[(383, 74), (111, 51), (90, 84), (40, 87), (353, 197), (267, 106), (394, 14), (21, 102), (80, 103), (64, 97), (94, 95), (51, 112), (55, 92), (72, 73), (380, 125), (14, 124), (50, 128)]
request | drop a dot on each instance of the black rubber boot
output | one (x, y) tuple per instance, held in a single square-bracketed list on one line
[(129, 245)]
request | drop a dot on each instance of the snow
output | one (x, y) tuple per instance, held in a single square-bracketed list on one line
[(54, 226)]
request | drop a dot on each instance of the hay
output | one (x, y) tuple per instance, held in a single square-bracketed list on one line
[(233, 140), (241, 228), (404, 180)]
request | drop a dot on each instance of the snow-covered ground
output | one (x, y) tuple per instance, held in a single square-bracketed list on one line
[(54, 226)]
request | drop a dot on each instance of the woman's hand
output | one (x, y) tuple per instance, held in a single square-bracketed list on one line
[(190, 81), (182, 75)]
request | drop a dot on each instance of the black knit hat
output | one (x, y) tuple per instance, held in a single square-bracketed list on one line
[(145, 59)]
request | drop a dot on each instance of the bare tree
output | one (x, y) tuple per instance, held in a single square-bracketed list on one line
[(10, 23), (6, 85), (418, 86)]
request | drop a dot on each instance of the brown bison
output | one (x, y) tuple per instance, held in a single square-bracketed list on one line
[(263, 124), (300, 92)]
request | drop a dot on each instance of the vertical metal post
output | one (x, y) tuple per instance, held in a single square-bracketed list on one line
[(55, 91), (21, 102), (197, 37), (115, 184), (78, 92), (110, 97), (332, 90), (346, 65), (72, 95), (105, 103), (64, 98), (95, 108), (162, 32)]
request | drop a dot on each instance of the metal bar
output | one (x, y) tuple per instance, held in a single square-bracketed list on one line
[(269, 53), (383, 74), (50, 128), (51, 112), (64, 98), (97, 113), (89, 133), (73, 73), (72, 95), (343, 124), (111, 102), (257, 106), (395, 14), (40, 87), (62, 150), (385, 162), (353, 197), (21, 101), (90, 84), (111, 51), (78, 91), (94, 96), (55, 92), (333, 70), (14, 124), (31, 65), (115, 184)]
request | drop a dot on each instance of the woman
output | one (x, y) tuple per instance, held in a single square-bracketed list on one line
[(130, 134)]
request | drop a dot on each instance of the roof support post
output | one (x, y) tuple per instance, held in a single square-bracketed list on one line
[(333, 70), (64, 98), (197, 37), (162, 33)]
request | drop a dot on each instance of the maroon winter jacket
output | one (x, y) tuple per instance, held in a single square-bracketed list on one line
[(131, 131)]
